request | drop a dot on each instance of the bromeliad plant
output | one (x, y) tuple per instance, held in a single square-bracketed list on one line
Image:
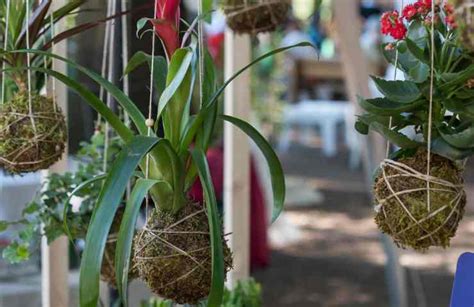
[(420, 198), (181, 252)]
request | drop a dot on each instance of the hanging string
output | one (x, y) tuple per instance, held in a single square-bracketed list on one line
[(110, 77), (105, 52), (5, 46), (53, 80), (390, 122), (28, 64), (125, 56), (201, 52), (430, 113), (150, 122)]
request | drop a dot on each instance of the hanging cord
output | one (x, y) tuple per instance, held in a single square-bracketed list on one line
[(53, 80), (390, 122), (5, 46), (201, 53), (28, 64), (430, 113), (110, 78), (105, 53), (150, 122), (125, 56)]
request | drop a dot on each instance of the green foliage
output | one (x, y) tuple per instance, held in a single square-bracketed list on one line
[(407, 102), (43, 216)]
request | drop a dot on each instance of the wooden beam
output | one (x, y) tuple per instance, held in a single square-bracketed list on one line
[(348, 27), (55, 257), (237, 157)]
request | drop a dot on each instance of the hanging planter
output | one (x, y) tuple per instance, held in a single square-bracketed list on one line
[(33, 132), (419, 192), (32, 136), (255, 16), (173, 254), (165, 168)]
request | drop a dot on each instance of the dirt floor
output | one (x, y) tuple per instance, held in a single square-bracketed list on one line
[(328, 253)]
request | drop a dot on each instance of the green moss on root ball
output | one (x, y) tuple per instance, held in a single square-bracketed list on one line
[(409, 220), (255, 16), (173, 255), (31, 143)]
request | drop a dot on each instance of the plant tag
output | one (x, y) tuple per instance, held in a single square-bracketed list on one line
[(463, 288)]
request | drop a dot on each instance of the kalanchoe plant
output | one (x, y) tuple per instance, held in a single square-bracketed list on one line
[(406, 210), (181, 252)]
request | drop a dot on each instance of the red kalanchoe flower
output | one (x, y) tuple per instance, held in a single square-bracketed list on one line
[(392, 24), (449, 8), (166, 23), (410, 12), (451, 21)]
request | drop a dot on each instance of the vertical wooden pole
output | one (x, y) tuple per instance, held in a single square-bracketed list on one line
[(55, 257), (237, 157), (347, 22)]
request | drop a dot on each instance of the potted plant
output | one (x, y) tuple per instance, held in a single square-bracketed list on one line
[(419, 189)]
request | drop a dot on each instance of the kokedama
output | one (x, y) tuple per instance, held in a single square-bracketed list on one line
[(32, 136), (418, 190), (255, 16)]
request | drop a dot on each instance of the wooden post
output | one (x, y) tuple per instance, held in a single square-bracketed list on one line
[(237, 157), (347, 22), (55, 257)]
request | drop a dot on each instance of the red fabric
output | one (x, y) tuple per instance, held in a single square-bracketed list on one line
[(259, 249)]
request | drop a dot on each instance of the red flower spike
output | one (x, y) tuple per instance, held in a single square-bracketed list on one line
[(166, 24)]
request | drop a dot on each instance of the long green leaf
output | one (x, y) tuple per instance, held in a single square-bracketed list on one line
[(123, 131), (125, 101), (108, 202), (125, 237), (276, 171), (215, 229), (208, 107)]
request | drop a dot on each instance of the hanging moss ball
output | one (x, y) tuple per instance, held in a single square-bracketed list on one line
[(403, 211), (255, 16), (33, 138), (464, 11), (173, 255), (107, 272)]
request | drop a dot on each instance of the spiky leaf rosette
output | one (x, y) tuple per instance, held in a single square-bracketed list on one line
[(31, 142), (255, 16), (173, 254), (403, 211)]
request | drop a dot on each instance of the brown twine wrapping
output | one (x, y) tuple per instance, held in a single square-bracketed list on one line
[(407, 189), (24, 148), (255, 16), (173, 256)]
